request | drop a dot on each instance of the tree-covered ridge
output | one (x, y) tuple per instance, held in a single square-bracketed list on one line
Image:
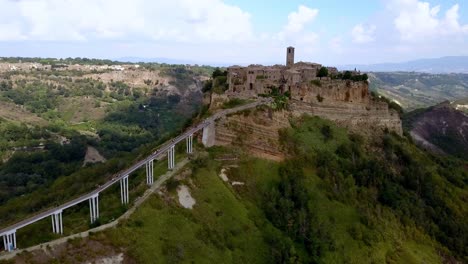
[(392, 178)]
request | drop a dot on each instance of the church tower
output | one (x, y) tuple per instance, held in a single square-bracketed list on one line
[(290, 56)]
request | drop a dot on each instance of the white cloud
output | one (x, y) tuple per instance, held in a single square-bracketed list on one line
[(361, 34), (416, 20), (298, 20), (295, 32), (175, 20), (10, 32)]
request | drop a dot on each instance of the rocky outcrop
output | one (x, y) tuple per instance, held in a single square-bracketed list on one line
[(255, 130), (441, 129), (326, 90), (366, 119)]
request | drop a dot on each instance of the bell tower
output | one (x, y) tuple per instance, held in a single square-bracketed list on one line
[(290, 56)]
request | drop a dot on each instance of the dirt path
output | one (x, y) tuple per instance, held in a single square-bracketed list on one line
[(157, 184)]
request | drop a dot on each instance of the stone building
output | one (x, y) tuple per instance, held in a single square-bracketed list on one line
[(258, 79)]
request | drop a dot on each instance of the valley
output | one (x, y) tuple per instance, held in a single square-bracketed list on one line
[(412, 90)]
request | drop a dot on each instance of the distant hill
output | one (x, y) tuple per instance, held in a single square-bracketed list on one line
[(453, 64), (414, 90), (154, 60), (441, 129), (169, 61)]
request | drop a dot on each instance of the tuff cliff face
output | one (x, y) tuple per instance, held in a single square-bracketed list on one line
[(326, 90), (347, 103), (258, 130)]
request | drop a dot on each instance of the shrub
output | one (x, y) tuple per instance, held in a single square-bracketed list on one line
[(323, 72), (316, 83), (319, 98)]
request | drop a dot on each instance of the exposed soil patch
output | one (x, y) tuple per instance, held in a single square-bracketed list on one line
[(223, 175), (93, 156), (185, 198)]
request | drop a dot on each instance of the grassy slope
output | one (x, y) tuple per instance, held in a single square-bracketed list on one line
[(228, 224), (220, 228)]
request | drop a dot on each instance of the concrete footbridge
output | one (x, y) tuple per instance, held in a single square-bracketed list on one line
[(168, 148)]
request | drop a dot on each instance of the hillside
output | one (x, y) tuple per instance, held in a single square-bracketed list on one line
[(337, 198), (52, 112), (419, 90), (441, 129)]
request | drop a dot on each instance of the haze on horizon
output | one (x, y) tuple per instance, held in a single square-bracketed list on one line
[(235, 31)]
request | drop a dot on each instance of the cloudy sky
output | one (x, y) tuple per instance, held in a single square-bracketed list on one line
[(236, 31)]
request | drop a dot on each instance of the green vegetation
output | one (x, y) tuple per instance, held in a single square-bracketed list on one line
[(408, 188), (280, 100), (220, 230), (58, 114), (320, 98), (323, 72), (58, 62), (234, 102), (218, 82), (316, 83), (332, 201)]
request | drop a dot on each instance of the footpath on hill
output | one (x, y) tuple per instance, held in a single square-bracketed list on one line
[(157, 184)]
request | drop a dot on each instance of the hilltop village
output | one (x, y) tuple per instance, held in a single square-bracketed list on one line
[(312, 89), (303, 81)]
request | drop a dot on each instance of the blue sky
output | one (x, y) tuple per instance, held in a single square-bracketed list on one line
[(331, 32)]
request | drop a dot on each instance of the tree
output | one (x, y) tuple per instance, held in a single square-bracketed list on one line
[(347, 75), (323, 72), (217, 72)]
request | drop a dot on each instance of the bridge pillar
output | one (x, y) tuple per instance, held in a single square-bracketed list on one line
[(57, 224), (9, 241), (208, 138), (189, 140), (149, 173), (94, 208), (171, 158), (124, 197)]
